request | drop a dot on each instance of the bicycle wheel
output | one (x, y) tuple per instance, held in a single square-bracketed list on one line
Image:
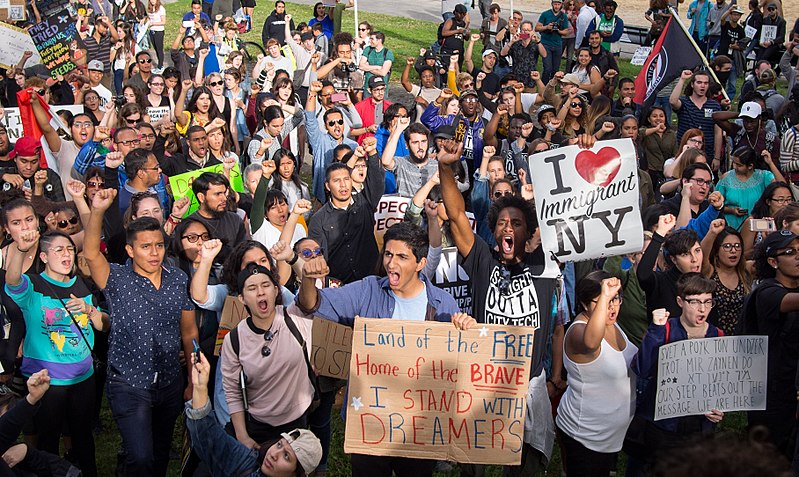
[(251, 51)]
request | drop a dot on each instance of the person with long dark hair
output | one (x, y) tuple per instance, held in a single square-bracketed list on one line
[(200, 111), (775, 196), (723, 262), (288, 178)]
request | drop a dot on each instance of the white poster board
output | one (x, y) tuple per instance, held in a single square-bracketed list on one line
[(582, 193), (13, 122), (15, 42), (768, 33), (697, 376), (156, 114), (640, 55)]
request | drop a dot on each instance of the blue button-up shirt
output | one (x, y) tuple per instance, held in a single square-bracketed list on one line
[(145, 325)]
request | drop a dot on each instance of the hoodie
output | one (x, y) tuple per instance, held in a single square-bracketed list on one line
[(275, 27)]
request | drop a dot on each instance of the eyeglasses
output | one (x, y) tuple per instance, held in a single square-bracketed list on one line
[(363, 29), (62, 224), (148, 136), (468, 85), (192, 238), (148, 60), (731, 246), (132, 120), (95, 185), (696, 303), (701, 182), (340, 122), (615, 301), (780, 200), (129, 142), (268, 337), (502, 193), (696, 141), (788, 252), (215, 83), (61, 249), (41, 91), (309, 254), (575, 104), (156, 168), (504, 281), (83, 124)]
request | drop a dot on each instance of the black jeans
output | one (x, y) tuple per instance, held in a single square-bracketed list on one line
[(261, 432), (157, 40), (146, 419), (378, 466), (72, 405), (579, 461), (319, 422)]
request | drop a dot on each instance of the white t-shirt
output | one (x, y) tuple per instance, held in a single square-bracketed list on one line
[(156, 17), (269, 235), (104, 93)]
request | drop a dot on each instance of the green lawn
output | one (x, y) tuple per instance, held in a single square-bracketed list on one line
[(404, 37)]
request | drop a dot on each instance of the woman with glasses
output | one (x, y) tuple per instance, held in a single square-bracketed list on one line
[(597, 357), (156, 92), (688, 322), (129, 116), (60, 319), (742, 186), (776, 196), (722, 249), (91, 106), (363, 40)]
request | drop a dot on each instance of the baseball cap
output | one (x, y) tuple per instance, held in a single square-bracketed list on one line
[(570, 78), (772, 6), (460, 8), (737, 9), (489, 51), (95, 65), (446, 131), (557, 1), (468, 92), (429, 55), (750, 109), (778, 240), (306, 447), (26, 146), (544, 108), (376, 82)]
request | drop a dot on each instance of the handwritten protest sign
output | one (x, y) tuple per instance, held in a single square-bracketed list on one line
[(452, 278), (16, 42), (697, 376), (12, 10), (768, 33), (583, 193), (54, 37), (233, 312), (13, 122), (425, 390), (48, 8), (331, 347), (156, 114), (181, 184), (640, 55), (391, 210)]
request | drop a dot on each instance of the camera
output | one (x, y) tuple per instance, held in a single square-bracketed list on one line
[(119, 101), (349, 67)]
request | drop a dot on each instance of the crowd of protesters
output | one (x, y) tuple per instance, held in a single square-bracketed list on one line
[(113, 286)]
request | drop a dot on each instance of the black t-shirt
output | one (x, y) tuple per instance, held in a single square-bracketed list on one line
[(490, 83), (729, 36), (512, 295), (227, 227)]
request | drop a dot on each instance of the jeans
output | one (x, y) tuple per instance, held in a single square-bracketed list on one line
[(146, 419), (732, 82), (119, 77), (379, 466), (551, 63), (157, 42), (712, 45), (72, 405), (319, 422), (701, 43)]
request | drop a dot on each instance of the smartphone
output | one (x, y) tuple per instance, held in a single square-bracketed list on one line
[(762, 225), (188, 24), (338, 97), (196, 351), (524, 36)]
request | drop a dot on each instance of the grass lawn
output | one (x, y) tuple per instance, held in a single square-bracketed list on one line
[(404, 37)]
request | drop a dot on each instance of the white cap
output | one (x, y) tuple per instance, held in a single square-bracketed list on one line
[(750, 109)]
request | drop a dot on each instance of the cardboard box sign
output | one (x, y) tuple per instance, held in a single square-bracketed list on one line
[(425, 390), (331, 347)]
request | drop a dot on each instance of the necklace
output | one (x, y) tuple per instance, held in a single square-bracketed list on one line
[(757, 135)]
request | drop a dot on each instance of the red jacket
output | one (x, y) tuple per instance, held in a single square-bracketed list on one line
[(366, 109)]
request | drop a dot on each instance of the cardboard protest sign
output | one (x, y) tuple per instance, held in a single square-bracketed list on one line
[(48, 8), (56, 38), (233, 312), (13, 122), (12, 10), (425, 390), (181, 184), (16, 42), (331, 347), (583, 193), (156, 114), (697, 376), (452, 278), (391, 210)]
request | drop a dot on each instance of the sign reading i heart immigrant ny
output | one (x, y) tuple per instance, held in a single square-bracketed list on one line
[(425, 390), (582, 193)]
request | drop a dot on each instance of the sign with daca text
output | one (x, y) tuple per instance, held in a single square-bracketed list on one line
[(56, 38), (426, 390), (726, 373), (391, 210), (582, 193), (181, 184)]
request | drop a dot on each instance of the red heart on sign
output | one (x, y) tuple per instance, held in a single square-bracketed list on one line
[(598, 168)]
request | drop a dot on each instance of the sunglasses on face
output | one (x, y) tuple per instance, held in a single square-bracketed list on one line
[(156, 84), (309, 254), (192, 238), (62, 224), (363, 29), (268, 337), (575, 104), (41, 92), (132, 120), (501, 193), (148, 60), (340, 122), (95, 185), (215, 83)]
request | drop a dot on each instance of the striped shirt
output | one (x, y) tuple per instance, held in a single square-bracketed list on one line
[(689, 116), (100, 51)]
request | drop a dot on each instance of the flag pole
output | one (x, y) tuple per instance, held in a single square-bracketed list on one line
[(676, 16), (355, 11)]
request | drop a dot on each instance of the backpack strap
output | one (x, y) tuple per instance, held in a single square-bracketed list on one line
[(296, 332), (234, 340)]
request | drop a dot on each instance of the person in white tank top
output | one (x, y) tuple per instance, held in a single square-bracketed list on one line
[(599, 402)]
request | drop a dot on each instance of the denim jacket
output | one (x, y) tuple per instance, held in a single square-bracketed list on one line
[(222, 453), (699, 19)]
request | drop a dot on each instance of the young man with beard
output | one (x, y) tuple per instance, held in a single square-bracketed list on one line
[(211, 190), (696, 110), (372, 109), (153, 321), (142, 170), (344, 226), (415, 169), (603, 59), (323, 142), (469, 125), (510, 292), (275, 24), (552, 25), (140, 79), (340, 70), (26, 155), (403, 294)]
